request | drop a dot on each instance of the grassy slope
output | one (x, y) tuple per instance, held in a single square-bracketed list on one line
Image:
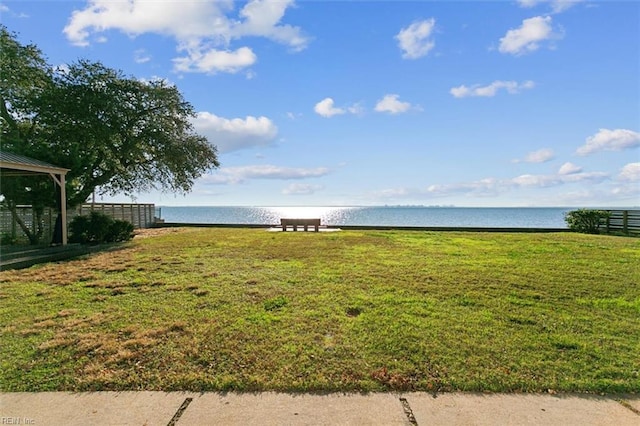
[(219, 309)]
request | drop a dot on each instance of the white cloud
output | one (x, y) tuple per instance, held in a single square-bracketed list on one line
[(528, 36), (237, 133), (356, 109), (262, 18), (202, 28), (558, 179), (416, 40), (392, 105), (528, 3), (141, 56), (630, 172), (546, 181), (487, 186), (557, 6), (205, 18), (594, 177), (235, 175), (540, 156), (628, 182), (569, 168), (215, 61), (325, 108), (630, 192), (491, 186), (494, 186), (536, 180), (610, 140), (512, 87), (301, 189), (5, 9)]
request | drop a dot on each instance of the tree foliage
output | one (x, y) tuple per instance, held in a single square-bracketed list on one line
[(116, 134), (24, 76), (121, 135)]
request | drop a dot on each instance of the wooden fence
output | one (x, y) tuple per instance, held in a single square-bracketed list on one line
[(625, 221), (140, 215)]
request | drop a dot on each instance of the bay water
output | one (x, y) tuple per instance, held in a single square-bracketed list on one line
[(486, 217)]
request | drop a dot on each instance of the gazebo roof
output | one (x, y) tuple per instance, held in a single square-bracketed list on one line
[(19, 164)]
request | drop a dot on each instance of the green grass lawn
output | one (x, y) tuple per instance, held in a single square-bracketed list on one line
[(244, 309)]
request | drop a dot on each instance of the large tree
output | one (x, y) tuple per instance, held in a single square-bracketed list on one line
[(116, 134), (24, 75)]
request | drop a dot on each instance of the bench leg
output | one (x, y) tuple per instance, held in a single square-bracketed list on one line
[(316, 226), (284, 228), (295, 228)]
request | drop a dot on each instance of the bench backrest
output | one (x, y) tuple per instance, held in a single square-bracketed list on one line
[(311, 222)]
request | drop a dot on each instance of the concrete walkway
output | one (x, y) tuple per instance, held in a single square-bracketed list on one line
[(186, 408)]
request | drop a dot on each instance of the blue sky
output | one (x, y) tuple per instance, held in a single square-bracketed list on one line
[(469, 103)]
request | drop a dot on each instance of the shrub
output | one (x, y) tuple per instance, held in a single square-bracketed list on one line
[(99, 228), (8, 240), (585, 220), (120, 230), (79, 229)]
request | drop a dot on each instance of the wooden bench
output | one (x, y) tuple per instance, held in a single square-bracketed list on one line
[(300, 222)]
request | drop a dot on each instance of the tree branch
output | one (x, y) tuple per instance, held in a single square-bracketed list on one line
[(4, 113)]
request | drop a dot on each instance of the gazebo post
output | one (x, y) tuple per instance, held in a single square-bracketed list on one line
[(63, 208), (60, 181)]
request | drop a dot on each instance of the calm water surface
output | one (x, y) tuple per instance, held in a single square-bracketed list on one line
[(495, 217)]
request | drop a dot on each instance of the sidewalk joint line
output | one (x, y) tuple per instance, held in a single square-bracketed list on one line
[(408, 411), (178, 413), (628, 406)]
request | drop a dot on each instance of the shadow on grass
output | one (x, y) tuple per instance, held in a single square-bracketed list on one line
[(20, 257)]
